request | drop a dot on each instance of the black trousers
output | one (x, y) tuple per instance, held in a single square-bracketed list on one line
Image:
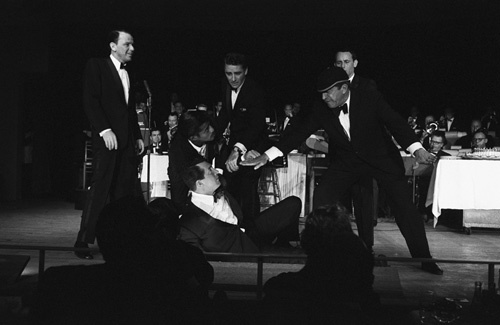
[(336, 182), (281, 221), (115, 175)]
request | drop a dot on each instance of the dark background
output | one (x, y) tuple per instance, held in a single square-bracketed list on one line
[(428, 53)]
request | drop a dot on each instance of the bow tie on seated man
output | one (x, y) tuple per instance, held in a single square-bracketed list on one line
[(213, 220)]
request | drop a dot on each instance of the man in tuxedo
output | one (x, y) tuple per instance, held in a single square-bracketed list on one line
[(116, 139), (213, 222), (194, 138), (156, 146), (364, 194), (244, 115), (363, 148)]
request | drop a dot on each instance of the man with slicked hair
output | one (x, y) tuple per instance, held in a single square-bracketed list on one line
[(116, 138)]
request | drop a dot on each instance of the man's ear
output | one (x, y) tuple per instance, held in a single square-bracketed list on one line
[(355, 63), (199, 183), (344, 88)]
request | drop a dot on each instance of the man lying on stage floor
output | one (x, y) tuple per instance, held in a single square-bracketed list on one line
[(213, 221)]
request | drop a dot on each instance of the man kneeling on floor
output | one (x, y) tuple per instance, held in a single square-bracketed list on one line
[(213, 221)]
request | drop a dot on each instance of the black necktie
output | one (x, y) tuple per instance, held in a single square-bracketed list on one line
[(342, 108)]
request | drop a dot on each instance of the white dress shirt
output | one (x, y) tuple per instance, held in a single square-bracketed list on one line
[(220, 210)]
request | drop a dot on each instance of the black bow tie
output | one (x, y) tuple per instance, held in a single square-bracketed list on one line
[(218, 194), (235, 90), (342, 108), (123, 66)]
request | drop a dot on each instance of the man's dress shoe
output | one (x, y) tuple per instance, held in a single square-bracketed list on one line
[(432, 267), (83, 255)]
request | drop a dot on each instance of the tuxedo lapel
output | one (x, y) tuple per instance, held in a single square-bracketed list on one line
[(354, 114)]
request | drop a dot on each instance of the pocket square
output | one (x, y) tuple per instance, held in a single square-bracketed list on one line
[(243, 109)]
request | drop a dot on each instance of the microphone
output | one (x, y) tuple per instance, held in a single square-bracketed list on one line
[(147, 88)]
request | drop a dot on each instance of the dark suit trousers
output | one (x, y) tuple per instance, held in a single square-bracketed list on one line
[(336, 182), (281, 221), (364, 203), (243, 185), (114, 176)]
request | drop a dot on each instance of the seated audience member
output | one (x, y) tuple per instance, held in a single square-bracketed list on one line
[(430, 126), (194, 138), (167, 216), (438, 141), (449, 122), (480, 140), (414, 120), (144, 280), (213, 221), (285, 121), (465, 141), (178, 108), (170, 127), (156, 146), (336, 283), (489, 120)]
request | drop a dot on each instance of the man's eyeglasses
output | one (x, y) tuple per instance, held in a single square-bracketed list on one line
[(478, 139), (436, 142)]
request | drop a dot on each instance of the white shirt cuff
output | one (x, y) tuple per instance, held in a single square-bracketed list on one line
[(104, 131), (273, 153), (414, 147)]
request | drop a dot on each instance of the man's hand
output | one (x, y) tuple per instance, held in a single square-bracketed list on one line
[(139, 146), (424, 157), (110, 140), (232, 161), (257, 162), (251, 154)]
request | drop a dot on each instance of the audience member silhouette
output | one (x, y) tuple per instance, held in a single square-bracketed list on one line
[(336, 284), (146, 278)]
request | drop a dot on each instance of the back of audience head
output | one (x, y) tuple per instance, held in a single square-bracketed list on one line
[(165, 211), (322, 227), (123, 231)]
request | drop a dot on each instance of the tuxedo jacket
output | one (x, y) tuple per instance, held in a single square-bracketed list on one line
[(180, 155), (105, 105), (363, 83), (370, 118), (247, 118), (198, 228)]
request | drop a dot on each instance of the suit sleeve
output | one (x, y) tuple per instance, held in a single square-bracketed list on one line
[(92, 92), (394, 122), (299, 132)]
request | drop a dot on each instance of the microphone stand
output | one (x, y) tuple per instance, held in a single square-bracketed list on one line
[(148, 108)]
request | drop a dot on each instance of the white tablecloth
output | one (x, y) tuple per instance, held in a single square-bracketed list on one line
[(466, 184), (159, 166), (158, 178)]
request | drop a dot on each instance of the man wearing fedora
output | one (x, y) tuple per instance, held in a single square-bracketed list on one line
[(357, 122)]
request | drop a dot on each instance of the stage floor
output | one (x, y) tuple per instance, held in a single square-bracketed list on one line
[(52, 222)]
